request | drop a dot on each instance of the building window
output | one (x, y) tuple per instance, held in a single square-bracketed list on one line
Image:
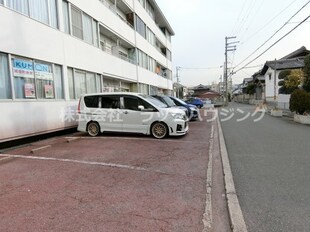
[(90, 83), (24, 83), (150, 10), (38, 10), (77, 27), (81, 82), (44, 80), (44, 11), (140, 27), (83, 26), (142, 3), (168, 54), (18, 5), (65, 11), (59, 89), (36, 79), (150, 37), (53, 13), (87, 29), (5, 85), (142, 59), (71, 83), (98, 83), (152, 64)]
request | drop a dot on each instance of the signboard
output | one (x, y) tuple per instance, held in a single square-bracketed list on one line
[(29, 90), (43, 71), (49, 91), (23, 68)]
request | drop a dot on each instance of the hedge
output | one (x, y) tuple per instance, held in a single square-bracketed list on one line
[(300, 102)]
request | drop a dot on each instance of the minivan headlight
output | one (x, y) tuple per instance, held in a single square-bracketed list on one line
[(177, 116)]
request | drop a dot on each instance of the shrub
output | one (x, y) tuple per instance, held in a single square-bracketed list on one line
[(306, 84), (300, 101)]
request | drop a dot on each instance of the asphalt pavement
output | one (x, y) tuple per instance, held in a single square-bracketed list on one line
[(270, 162), (116, 182)]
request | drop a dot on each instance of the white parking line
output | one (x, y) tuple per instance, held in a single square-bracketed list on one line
[(76, 161), (141, 139), (207, 216)]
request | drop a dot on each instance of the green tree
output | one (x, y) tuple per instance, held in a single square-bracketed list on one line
[(250, 89), (290, 80), (300, 101), (306, 84)]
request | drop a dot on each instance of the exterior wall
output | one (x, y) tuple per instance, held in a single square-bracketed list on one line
[(25, 37), (269, 83)]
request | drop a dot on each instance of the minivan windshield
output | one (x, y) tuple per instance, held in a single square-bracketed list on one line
[(154, 101), (168, 101)]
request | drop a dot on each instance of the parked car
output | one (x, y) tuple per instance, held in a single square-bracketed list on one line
[(192, 109), (169, 102), (129, 112), (195, 101)]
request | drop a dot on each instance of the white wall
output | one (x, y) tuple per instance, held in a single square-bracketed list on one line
[(270, 84), (22, 118)]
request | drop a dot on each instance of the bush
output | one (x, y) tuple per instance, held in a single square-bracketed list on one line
[(300, 101), (306, 84)]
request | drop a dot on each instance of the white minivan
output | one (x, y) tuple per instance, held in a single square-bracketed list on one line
[(129, 112)]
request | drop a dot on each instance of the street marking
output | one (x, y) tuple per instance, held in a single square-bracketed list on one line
[(235, 212), (207, 216), (141, 139), (40, 148), (76, 161)]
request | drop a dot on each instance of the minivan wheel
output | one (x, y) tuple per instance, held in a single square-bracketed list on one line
[(159, 130), (93, 129)]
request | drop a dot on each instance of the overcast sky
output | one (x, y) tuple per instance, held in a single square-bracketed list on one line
[(201, 26)]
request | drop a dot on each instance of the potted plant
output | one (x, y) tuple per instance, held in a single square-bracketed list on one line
[(276, 112)]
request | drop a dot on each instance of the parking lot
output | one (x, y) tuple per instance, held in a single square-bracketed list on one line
[(109, 183)]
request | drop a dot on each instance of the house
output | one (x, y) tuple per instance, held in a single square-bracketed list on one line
[(259, 81), (271, 70)]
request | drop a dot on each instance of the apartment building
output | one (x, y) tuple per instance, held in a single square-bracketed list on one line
[(52, 51)]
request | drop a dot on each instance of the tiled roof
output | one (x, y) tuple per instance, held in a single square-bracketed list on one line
[(283, 64)]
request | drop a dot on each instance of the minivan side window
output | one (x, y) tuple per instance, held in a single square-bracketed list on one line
[(110, 102), (131, 103), (91, 101), (147, 106)]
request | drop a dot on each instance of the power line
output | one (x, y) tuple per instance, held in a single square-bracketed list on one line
[(207, 68), (273, 34), (273, 44), (268, 23)]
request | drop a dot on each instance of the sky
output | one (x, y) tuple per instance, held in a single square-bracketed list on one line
[(201, 26)]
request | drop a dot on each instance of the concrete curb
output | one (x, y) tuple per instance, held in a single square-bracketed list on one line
[(235, 213)]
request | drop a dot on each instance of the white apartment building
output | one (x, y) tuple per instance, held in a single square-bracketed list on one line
[(52, 51)]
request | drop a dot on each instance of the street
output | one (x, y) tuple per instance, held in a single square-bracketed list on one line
[(270, 162)]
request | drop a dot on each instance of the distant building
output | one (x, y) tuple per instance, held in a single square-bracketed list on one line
[(271, 70)]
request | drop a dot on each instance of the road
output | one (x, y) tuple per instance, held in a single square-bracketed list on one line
[(270, 161)]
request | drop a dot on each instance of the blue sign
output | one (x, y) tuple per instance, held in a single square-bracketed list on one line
[(22, 64)]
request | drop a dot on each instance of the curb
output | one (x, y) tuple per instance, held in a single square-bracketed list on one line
[(5, 159), (235, 213)]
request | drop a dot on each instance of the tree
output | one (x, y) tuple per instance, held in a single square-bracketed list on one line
[(294, 80), (300, 101), (306, 84), (290, 80), (250, 89)]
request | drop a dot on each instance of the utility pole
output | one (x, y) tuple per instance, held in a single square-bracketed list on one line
[(228, 48)]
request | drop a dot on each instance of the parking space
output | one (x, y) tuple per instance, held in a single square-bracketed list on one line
[(107, 183)]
